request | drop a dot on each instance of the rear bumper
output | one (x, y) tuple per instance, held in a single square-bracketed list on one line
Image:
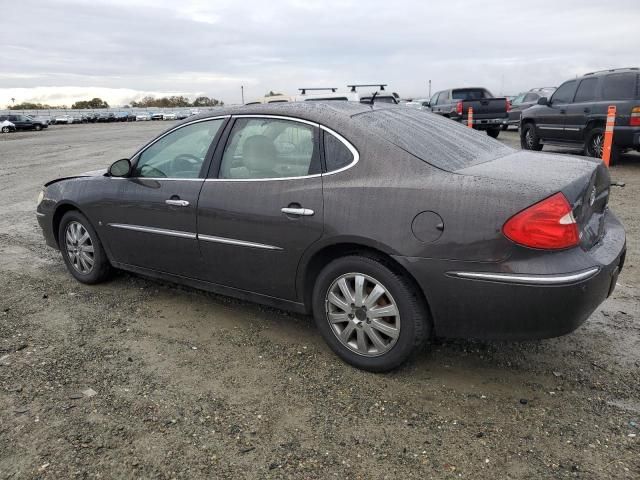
[(495, 301), (486, 123), (626, 137)]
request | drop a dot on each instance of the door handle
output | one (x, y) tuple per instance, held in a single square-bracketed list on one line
[(587, 110), (305, 212), (177, 203), (563, 111)]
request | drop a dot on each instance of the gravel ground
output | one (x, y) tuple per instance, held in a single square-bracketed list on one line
[(140, 379)]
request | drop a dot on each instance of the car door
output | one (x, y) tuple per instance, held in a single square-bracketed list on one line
[(148, 219), (19, 121), (579, 111), (551, 120), (262, 207)]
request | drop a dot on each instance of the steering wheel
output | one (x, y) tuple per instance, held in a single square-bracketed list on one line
[(148, 171), (189, 158)]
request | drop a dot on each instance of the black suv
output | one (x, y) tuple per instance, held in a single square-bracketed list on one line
[(577, 112), (24, 122)]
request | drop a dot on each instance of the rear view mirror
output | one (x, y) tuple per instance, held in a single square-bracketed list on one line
[(120, 168), (543, 101)]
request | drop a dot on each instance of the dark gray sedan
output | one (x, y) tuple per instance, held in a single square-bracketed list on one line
[(390, 225)]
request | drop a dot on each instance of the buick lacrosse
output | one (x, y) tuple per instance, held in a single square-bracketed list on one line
[(390, 225)]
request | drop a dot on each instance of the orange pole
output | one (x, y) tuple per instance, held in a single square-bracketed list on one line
[(608, 134), (470, 118)]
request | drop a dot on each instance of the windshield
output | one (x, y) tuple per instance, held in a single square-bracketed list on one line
[(434, 139)]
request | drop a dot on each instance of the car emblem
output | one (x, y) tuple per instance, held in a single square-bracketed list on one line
[(592, 197)]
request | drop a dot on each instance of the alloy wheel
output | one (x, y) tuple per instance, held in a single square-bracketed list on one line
[(79, 247), (596, 145), (528, 137), (362, 314)]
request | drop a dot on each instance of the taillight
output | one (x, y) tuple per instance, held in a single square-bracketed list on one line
[(459, 108), (548, 224), (635, 117), (508, 105)]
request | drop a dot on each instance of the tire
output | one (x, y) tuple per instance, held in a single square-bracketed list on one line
[(5, 130), (594, 144), (504, 128), (408, 328), (529, 139), (37, 128), (74, 222), (493, 132)]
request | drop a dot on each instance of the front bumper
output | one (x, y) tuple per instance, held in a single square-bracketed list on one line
[(503, 302)]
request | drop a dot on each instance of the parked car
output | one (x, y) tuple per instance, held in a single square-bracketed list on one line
[(143, 116), (106, 117), (23, 122), (44, 120), (523, 101), (489, 112), (182, 115), (169, 116), (62, 119), (389, 224), (157, 116), (575, 115), (121, 117), (6, 126)]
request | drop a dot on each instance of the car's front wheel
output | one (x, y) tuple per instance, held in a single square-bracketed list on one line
[(37, 128), (82, 250), (370, 315), (529, 138), (6, 129)]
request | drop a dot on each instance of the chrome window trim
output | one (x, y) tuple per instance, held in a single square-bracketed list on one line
[(528, 279), (158, 231), (352, 149), (232, 241)]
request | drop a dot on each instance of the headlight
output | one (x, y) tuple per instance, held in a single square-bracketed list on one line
[(40, 197)]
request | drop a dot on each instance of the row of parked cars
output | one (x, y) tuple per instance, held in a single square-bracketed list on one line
[(14, 122)]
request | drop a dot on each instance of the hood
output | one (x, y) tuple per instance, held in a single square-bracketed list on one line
[(92, 173)]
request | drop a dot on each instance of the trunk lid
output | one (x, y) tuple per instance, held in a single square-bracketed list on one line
[(584, 182)]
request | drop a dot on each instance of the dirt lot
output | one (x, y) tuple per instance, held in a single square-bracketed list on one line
[(193, 385)]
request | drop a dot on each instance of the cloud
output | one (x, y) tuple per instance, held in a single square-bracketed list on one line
[(215, 47)]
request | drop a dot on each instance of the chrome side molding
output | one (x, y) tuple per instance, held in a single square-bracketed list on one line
[(159, 231), (232, 241)]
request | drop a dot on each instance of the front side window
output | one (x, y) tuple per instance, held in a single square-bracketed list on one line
[(261, 148), (444, 96), (336, 153), (434, 99), (180, 154), (565, 92), (518, 100), (586, 90), (620, 86), (530, 97)]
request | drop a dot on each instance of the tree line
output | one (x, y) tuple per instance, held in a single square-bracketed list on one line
[(148, 101)]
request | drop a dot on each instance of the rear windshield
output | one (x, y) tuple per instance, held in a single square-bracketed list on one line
[(434, 139), (470, 94)]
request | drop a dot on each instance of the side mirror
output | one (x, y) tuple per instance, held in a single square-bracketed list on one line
[(120, 168), (543, 101)]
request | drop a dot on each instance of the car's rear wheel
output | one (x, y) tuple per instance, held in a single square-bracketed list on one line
[(493, 132), (37, 128), (594, 145), (370, 316), (82, 250), (529, 138)]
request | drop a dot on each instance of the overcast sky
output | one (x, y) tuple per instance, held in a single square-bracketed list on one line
[(61, 51)]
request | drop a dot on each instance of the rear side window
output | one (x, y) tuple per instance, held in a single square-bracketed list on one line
[(564, 94), (336, 153), (531, 97), (587, 90), (620, 86)]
